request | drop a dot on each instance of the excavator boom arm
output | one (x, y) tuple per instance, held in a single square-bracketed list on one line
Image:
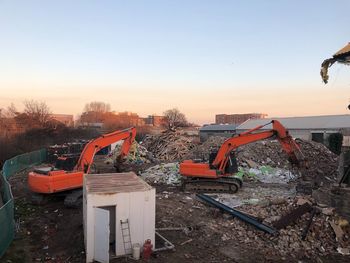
[(90, 149), (287, 143)]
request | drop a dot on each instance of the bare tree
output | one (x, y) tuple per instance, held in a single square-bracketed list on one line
[(37, 111), (174, 119), (97, 106), (12, 111), (95, 111)]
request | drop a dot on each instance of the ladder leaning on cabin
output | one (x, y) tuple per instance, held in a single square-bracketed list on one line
[(126, 236)]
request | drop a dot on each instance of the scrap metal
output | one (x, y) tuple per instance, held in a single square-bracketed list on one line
[(241, 216), (342, 56), (293, 216), (309, 223)]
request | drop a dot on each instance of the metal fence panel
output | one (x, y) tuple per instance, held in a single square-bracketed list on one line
[(11, 167)]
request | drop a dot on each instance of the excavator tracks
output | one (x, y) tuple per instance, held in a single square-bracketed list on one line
[(221, 185), (74, 199)]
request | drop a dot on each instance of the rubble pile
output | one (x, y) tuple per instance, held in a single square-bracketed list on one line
[(322, 163), (138, 154), (262, 157), (168, 146), (328, 233), (268, 174), (320, 240), (166, 173), (202, 151), (267, 152)]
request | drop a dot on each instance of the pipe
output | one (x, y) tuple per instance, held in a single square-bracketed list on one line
[(184, 229), (241, 216), (167, 244)]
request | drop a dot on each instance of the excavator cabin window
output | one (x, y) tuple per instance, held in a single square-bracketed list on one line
[(231, 166)]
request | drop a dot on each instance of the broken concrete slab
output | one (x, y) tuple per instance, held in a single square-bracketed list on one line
[(343, 251), (302, 201), (328, 211), (251, 163)]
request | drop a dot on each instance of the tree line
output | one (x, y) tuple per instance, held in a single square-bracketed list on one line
[(33, 128)]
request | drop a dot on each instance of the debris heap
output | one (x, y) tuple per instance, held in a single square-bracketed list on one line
[(138, 154), (268, 154), (202, 151), (168, 146), (323, 163), (328, 233), (166, 173)]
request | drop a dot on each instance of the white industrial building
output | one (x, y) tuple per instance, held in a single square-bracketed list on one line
[(316, 128), (119, 210), (223, 130)]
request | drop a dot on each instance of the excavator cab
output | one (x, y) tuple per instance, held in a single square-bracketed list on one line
[(67, 162), (64, 162), (231, 166)]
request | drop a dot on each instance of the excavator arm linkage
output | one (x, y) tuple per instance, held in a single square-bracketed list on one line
[(216, 169), (60, 180), (287, 142)]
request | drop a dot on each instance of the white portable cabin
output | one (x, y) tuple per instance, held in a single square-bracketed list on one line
[(113, 202)]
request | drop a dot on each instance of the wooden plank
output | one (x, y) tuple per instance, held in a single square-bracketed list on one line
[(292, 216)]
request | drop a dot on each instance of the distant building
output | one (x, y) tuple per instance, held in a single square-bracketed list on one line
[(224, 130), (128, 118), (91, 125), (237, 118), (154, 120), (311, 128), (66, 119)]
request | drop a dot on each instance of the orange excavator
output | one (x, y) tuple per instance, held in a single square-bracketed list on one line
[(49, 180), (219, 173)]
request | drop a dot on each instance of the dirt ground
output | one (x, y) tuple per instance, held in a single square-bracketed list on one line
[(53, 233)]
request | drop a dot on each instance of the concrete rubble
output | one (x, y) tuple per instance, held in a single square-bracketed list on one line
[(323, 237), (165, 173), (138, 154), (322, 162), (268, 174)]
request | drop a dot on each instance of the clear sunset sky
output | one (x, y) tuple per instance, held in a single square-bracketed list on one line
[(203, 57)]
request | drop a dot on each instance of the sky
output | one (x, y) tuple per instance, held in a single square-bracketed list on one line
[(202, 57)]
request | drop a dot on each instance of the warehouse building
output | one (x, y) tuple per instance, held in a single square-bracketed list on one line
[(237, 118), (225, 130), (312, 128)]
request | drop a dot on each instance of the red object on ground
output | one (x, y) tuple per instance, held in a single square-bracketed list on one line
[(147, 250)]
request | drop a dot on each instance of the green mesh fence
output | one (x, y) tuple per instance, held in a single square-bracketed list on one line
[(11, 167)]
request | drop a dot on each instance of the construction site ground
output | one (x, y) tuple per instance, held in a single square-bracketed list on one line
[(53, 233)]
